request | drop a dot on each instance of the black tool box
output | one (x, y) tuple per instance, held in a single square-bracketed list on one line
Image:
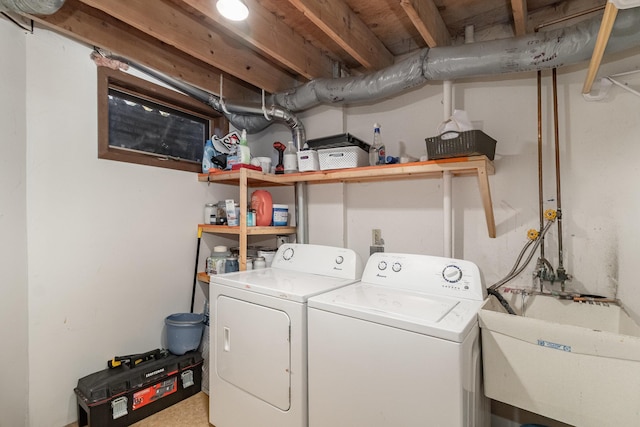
[(121, 396)]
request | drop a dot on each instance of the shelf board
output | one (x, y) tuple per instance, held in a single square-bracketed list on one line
[(203, 277), (254, 178), (251, 231), (459, 166)]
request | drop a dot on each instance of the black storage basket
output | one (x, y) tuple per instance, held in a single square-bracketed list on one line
[(467, 143)]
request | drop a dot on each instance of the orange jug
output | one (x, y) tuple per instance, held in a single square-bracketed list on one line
[(262, 202)]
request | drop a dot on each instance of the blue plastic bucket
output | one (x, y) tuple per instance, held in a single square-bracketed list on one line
[(184, 332)]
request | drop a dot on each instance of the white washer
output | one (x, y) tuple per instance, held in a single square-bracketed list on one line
[(259, 347), (400, 348)]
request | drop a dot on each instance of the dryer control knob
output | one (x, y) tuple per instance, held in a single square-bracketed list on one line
[(382, 265), (339, 259), (396, 267)]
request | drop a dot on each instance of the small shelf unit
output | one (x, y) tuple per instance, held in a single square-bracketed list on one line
[(244, 178)]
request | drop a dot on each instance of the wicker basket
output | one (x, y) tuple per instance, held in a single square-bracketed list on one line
[(467, 143)]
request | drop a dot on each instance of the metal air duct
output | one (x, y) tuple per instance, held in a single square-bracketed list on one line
[(31, 7)]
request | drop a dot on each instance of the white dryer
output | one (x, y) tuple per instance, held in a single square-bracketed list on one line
[(259, 344), (401, 348)]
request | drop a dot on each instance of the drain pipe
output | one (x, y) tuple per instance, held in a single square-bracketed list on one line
[(447, 89), (561, 273), (447, 181)]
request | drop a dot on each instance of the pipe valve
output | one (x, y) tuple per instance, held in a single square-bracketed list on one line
[(550, 214), (533, 234)]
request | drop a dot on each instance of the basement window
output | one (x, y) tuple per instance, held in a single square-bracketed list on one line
[(141, 122)]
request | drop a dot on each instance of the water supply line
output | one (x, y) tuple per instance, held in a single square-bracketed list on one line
[(535, 239)]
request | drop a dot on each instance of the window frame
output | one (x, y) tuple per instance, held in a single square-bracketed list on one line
[(113, 79)]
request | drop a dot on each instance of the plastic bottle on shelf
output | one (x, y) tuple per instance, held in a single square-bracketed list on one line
[(377, 153), (290, 158), (215, 262), (244, 153)]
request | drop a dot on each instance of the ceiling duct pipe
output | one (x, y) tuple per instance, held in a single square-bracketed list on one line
[(31, 7), (252, 117), (542, 50)]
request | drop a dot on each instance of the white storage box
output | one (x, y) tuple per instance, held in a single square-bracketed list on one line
[(342, 157), (578, 363), (308, 161), (340, 151)]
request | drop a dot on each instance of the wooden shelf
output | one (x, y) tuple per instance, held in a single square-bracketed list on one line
[(251, 231), (479, 166)]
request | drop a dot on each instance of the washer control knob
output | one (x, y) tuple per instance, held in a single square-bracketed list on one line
[(339, 259), (452, 273), (396, 267), (288, 254), (382, 265)]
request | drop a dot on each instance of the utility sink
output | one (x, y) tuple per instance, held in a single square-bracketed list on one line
[(578, 363)]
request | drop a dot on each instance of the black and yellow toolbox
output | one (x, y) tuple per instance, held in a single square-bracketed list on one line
[(134, 387)]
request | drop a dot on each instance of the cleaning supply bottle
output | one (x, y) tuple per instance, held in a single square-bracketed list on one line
[(244, 153), (290, 158), (232, 157), (377, 153)]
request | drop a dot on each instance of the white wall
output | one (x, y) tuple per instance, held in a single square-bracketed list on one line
[(13, 229), (598, 142), (110, 246)]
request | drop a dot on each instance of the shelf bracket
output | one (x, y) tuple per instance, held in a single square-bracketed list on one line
[(485, 195)]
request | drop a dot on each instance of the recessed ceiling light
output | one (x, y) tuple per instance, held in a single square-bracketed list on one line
[(234, 10)]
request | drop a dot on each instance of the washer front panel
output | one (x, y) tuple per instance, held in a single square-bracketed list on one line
[(366, 374)]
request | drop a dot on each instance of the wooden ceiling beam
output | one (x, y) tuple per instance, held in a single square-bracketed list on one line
[(608, 19), (427, 19), (270, 35), (520, 16), (176, 27), (95, 28), (339, 22)]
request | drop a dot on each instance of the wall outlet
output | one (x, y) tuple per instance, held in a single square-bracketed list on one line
[(376, 237)]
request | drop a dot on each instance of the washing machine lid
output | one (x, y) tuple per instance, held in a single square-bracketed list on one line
[(441, 317), (280, 283)]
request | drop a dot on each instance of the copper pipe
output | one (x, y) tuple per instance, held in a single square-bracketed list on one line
[(540, 182), (568, 17)]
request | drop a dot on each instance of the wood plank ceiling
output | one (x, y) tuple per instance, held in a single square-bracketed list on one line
[(285, 43)]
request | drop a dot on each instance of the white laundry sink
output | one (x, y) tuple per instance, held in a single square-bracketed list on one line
[(578, 363)]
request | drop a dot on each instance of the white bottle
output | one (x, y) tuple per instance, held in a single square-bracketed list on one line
[(290, 159), (244, 153), (377, 153)]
